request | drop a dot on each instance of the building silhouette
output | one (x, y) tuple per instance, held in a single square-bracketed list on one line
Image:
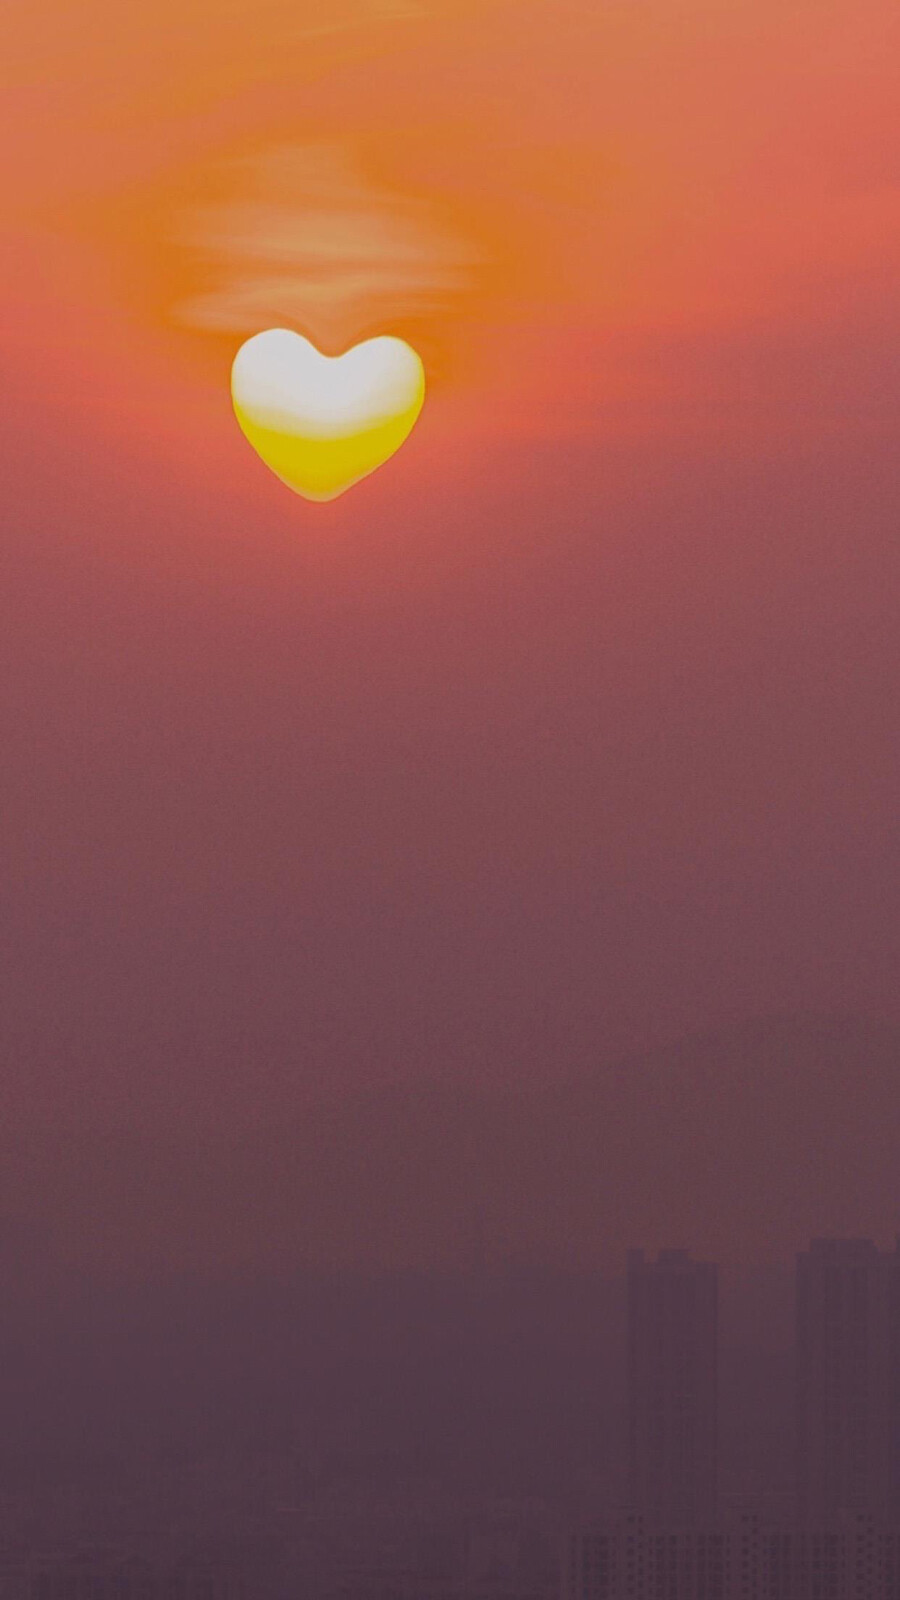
[(847, 1381), (672, 1378), (744, 1558)]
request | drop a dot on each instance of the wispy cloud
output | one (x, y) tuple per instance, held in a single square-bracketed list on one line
[(307, 240)]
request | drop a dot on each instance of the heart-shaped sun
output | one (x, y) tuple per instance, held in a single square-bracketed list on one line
[(323, 422)]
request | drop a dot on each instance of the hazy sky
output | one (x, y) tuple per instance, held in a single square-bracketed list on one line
[(571, 731)]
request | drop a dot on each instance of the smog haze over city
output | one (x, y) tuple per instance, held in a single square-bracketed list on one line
[(448, 684)]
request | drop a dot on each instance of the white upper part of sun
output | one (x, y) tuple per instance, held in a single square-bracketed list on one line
[(286, 384)]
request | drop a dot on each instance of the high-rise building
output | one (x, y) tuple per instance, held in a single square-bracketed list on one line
[(847, 1381), (672, 1372)]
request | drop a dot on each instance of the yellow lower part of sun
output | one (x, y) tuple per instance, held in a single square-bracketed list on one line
[(322, 468)]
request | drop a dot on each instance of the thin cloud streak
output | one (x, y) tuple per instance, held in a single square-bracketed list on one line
[(311, 242)]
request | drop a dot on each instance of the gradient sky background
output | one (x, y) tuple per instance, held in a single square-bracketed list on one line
[(571, 732)]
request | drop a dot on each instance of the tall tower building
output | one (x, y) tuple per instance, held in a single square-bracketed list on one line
[(672, 1375), (847, 1380)]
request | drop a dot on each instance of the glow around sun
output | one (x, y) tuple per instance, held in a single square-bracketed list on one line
[(321, 423)]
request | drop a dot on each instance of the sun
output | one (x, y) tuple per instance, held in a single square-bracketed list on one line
[(321, 423)]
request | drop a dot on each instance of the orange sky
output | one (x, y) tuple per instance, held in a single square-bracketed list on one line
[(541, 194), (579, 735)]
